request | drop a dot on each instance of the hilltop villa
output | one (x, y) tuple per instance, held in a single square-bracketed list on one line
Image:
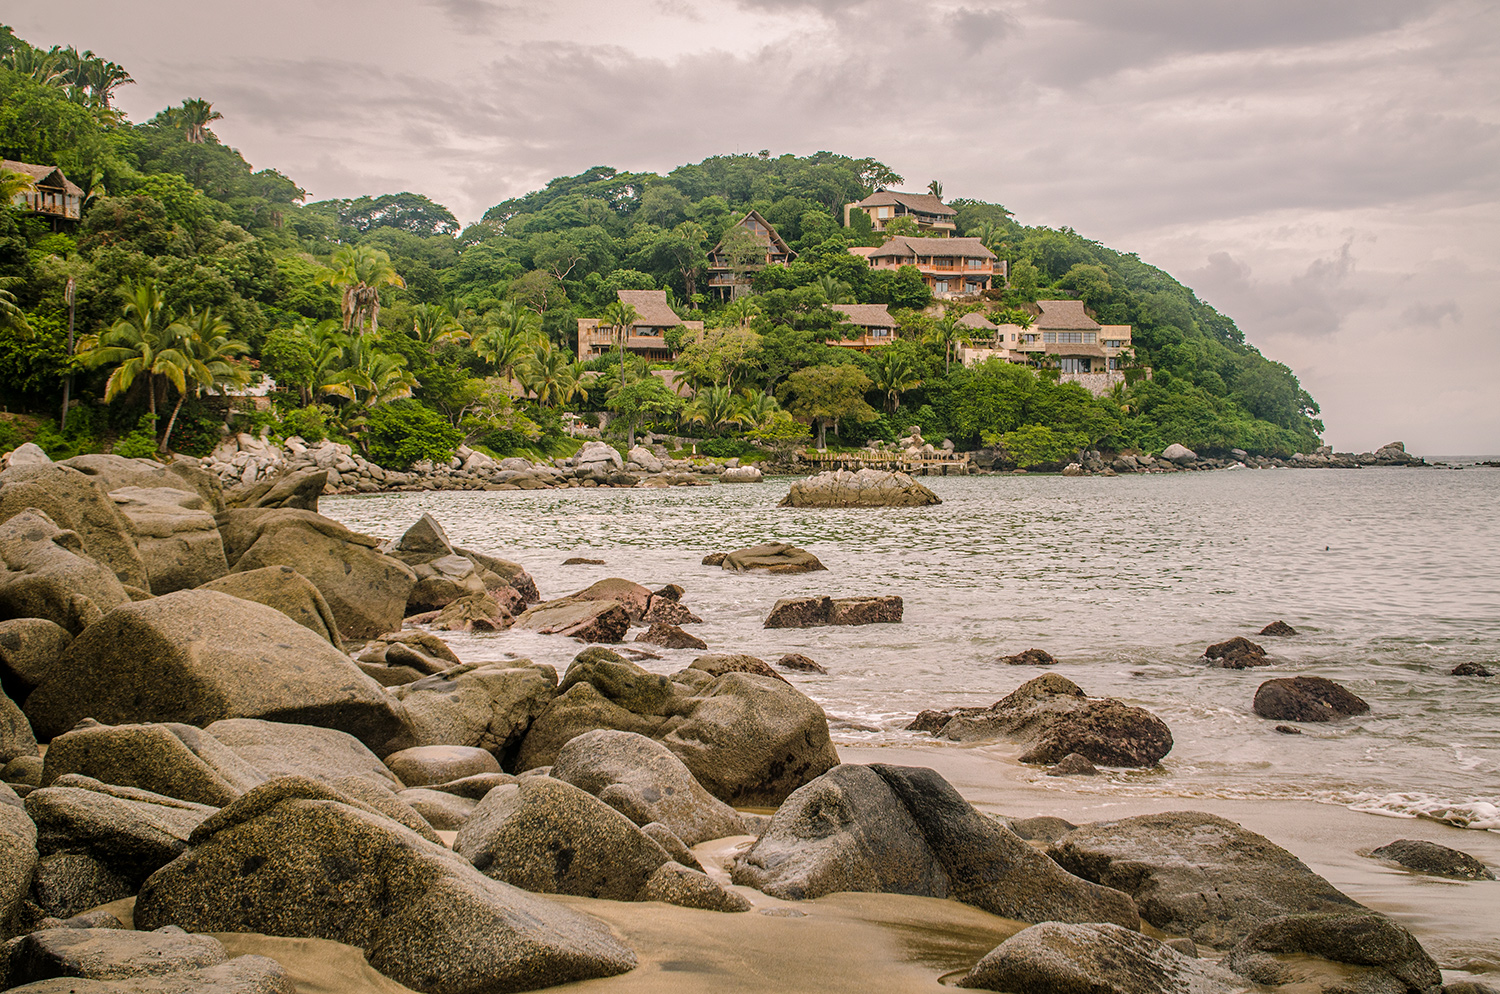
[(730, 278), (647, 337), (54, 195), (950, 267), (876, 323), (931, 215)]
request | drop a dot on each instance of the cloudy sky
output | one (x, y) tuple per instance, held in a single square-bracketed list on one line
[(1325, 172)]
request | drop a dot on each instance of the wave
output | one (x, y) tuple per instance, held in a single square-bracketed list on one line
[(1480, 813)]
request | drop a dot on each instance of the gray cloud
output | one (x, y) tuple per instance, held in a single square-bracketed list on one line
[(1430, 314), (1315, 302)]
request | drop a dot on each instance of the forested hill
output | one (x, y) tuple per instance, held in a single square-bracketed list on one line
[(386, 305)]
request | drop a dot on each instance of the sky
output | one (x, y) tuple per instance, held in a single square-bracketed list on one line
[(1327, 173)]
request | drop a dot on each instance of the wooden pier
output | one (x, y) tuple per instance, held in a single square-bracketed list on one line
[(937, 463)]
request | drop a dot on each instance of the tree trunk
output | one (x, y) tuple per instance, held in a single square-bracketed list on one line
[(822, 433), (171, 422)]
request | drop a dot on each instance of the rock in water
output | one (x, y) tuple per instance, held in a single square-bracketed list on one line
[(815, 612), (1197, 874), (1030, 657), (1236, 654), (587, 620), (774, 557), (866, 488), (295, 858), (1306, 698), (1470, 669), (1429, 857), (1058, 958), (1279, 628), (905, 830), (669, 636), (719, 664), (1379, 949), (197, 656), (799, 662)]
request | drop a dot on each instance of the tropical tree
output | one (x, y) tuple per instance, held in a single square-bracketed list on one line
[(936, 189), (643, 401), (548, 373), (948, 332), (360, 271), (511, 331), (757, 408), (207, 361), (620, 317), (434, 325), (370, 377), (141, 342), (12, 318), (835, 289), (719, 356), (13, 183), (824, 395), (715, 408), (193, 118), (895, 372)]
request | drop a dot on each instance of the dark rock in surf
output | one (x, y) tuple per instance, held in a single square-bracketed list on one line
[(1280, 629), (1236, 654), (669, 636), (1429, 857), (1306, 698), (1470, 669), (815, 612), (1379, 950), (797, 661), (1073, 765), (1030, 657)]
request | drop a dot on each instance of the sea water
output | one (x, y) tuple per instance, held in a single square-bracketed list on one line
[(1390, 576)]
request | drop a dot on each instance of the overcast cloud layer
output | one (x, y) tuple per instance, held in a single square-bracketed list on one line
[(1326, 173)]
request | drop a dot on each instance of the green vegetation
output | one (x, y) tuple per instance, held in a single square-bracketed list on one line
[(387, 324)]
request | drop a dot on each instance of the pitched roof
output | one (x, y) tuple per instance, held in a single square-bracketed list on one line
[(651, 308), (41, 174), (975, 319), (1114, 331), (865, 315), (903, 245), (772, 237), (1095, 351), (1064, 314), (925, 203)]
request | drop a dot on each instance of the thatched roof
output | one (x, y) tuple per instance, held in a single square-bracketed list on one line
[(924, 203), (1092, 351), (975, 319), (865, 315), (772, 238), (45, 176), (1115, 331), (1064, 315), (651, 307), (904, 245)]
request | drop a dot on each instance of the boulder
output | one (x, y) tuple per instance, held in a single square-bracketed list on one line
[(668, 840), (866, 488), (18, 858), (1196, 874), (472, 612), (67, 884), (442, 581), (1030, 657), (586, 620), (241, 975), (645, 782), (173, 760), (16, 738), (507, 572), (905, 830), (49, 575), (813, 612), (1378, 949), (719, 664), (1179, 454), (282, 749), (633, 597), (1306, 698), (127, 833), (774, 557), (1043, 828), (294, 858), (289, 592), (110, 954), (715, 558), (176, 534), (443, 811), (1279, 629), (797, 661), (1236, 654), (741, 474), (366, 591), (582, 561), (669, 636), (488, 706), (420, 766), (580, 708), (1470, 669), (424, 540), (670, 611), (1054, 716), (28, 649), (1062, 958), (598, 454), (207, 656), (644, 458), (1429, 857), (1073, 765), (27, 454), (79, 504), (298, 490)]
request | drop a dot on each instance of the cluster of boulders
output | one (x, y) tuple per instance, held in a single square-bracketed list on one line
[(863, 488), (243, 460), (1300, 698), (1177, 458)]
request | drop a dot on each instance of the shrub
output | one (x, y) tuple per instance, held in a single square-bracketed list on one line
[(140, 443), (405, 432), (309, 423)]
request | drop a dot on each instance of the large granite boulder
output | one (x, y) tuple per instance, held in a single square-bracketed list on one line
[(866, 488), (18, 858), (114, 954), (176, 534), (113, 473), (1306, 698), (1054, 716), (815, 612), (424, 766), (282, 749), (585, 620), (296, 858), (79, 504), (28, 649), (1385, 956), (49, 575), (1429, 857), (905, 830), (773, 557), (365, 590), (1062, 958), (298, 490), (442, 581), (171, 759), (512, 575), (16, 738), (630, 595), (1179, 454), (287, 591), (1196, 874), (645, 782), (485, 705), (198, 656)]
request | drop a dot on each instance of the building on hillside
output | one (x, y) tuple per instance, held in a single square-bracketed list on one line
[(730, 278), (646, 337), (987, 340), (873, 320), (951, 267), (884, 206), (54, 195), (1085, 352)]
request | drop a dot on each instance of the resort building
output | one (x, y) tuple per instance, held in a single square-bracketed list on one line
[(884, 206), (730, 277), (54, 195), (951, 267), (988, 340), (873, 320), (646, 337)]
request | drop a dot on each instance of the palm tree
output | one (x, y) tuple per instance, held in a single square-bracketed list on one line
[(620, 317), (714, 407), (141, 342), (895, 373), (360, 271), (44, 67), (194, 117), (936, 189), (947, 332), (577, 385), (208, 359), (434, 325), (739, 311), (835, 289), (511, 331), (370, 378), (756, 407), (12, 185), (547, 372), (12, 318)]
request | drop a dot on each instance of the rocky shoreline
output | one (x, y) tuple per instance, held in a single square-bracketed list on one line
[(227, 713)]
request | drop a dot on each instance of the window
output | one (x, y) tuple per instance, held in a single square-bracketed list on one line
[(1114, 343), (941, 287), (882, 212), (1114, 362), (1073, 364), (974, 263), (1070, 337), (880, 332)]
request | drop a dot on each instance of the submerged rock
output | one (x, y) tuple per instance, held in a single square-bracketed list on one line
[(1386, 951), (1236, 654), (1470, 669), (1280, 629), (1030, 657), (1306, 698), (773, 557), (669, 636), (1429, 857), (866, 488), (797, 661), (816, 612)]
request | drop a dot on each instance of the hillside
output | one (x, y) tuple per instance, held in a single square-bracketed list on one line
[(450, 313)]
